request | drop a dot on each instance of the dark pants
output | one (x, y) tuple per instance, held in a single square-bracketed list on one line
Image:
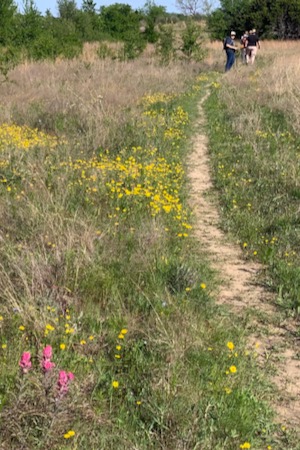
[(230, 54)]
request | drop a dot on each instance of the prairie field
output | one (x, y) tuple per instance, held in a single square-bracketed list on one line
[(110, 336)]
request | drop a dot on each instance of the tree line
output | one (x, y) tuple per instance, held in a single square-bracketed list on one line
[(33, 35), (46, 36), (274, 19)]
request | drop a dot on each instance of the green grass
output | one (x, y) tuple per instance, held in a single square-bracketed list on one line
[(96, 243), (257, 175)]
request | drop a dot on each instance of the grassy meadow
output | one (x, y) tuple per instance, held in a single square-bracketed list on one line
[(109, 334)]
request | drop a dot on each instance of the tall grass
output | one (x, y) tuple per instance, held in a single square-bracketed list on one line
[(88, 100)]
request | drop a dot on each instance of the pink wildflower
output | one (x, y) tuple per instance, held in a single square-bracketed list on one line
[(71, 376), (25, 362), (63, 382), (47, 352), (48, 365)]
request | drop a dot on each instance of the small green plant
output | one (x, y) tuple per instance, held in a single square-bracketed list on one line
[(9, 59), (192, 46), (134, 45), (165, 46), (104, 51), (44, 47)]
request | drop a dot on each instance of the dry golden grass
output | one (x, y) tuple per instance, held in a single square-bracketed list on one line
[(94, 92), (274, 80)]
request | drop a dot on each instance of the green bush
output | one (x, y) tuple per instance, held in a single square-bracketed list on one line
[(134, 44), (165, 44)]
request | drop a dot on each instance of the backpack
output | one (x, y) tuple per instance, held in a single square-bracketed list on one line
[(224, 44)]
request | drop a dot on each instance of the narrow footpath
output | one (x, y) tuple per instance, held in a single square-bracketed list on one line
[(275, 337)]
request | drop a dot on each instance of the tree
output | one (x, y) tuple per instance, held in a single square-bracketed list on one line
[(8, 11), (119, 20), (67, 9), (88, 6), (272, 18), (194, 7), (153, 15), (30, 23), (191, 38)]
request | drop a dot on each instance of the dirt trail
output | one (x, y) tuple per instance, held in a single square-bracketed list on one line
[(275, 338)]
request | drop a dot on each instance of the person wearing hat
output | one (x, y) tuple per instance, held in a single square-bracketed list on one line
[(230, 49), (252, 45)]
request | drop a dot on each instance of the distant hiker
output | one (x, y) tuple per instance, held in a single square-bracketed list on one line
[(244, 46), (230, 49), (252, 45)]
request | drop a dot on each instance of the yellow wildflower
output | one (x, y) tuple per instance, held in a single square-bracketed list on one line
[(69, 434), (233, 370), (70, 330), (62, 346), (115, 384), (245, 445), (230, 345)]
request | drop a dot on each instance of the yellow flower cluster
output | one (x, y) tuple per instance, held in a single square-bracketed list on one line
[(69, 434), (139, 176), (130, 181), (158, 97), (24, 138)]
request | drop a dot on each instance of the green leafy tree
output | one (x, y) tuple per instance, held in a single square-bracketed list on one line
[(279, 19), (8, 11), (88, 26), (88, 22), (191, 41), (272, 18), (153, 16), (119, 19), (133, 45), (30, 23), (165, 45), (218, 24), (67, 9)]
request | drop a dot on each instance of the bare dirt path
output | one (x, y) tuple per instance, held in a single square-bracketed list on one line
[(274, 337)]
